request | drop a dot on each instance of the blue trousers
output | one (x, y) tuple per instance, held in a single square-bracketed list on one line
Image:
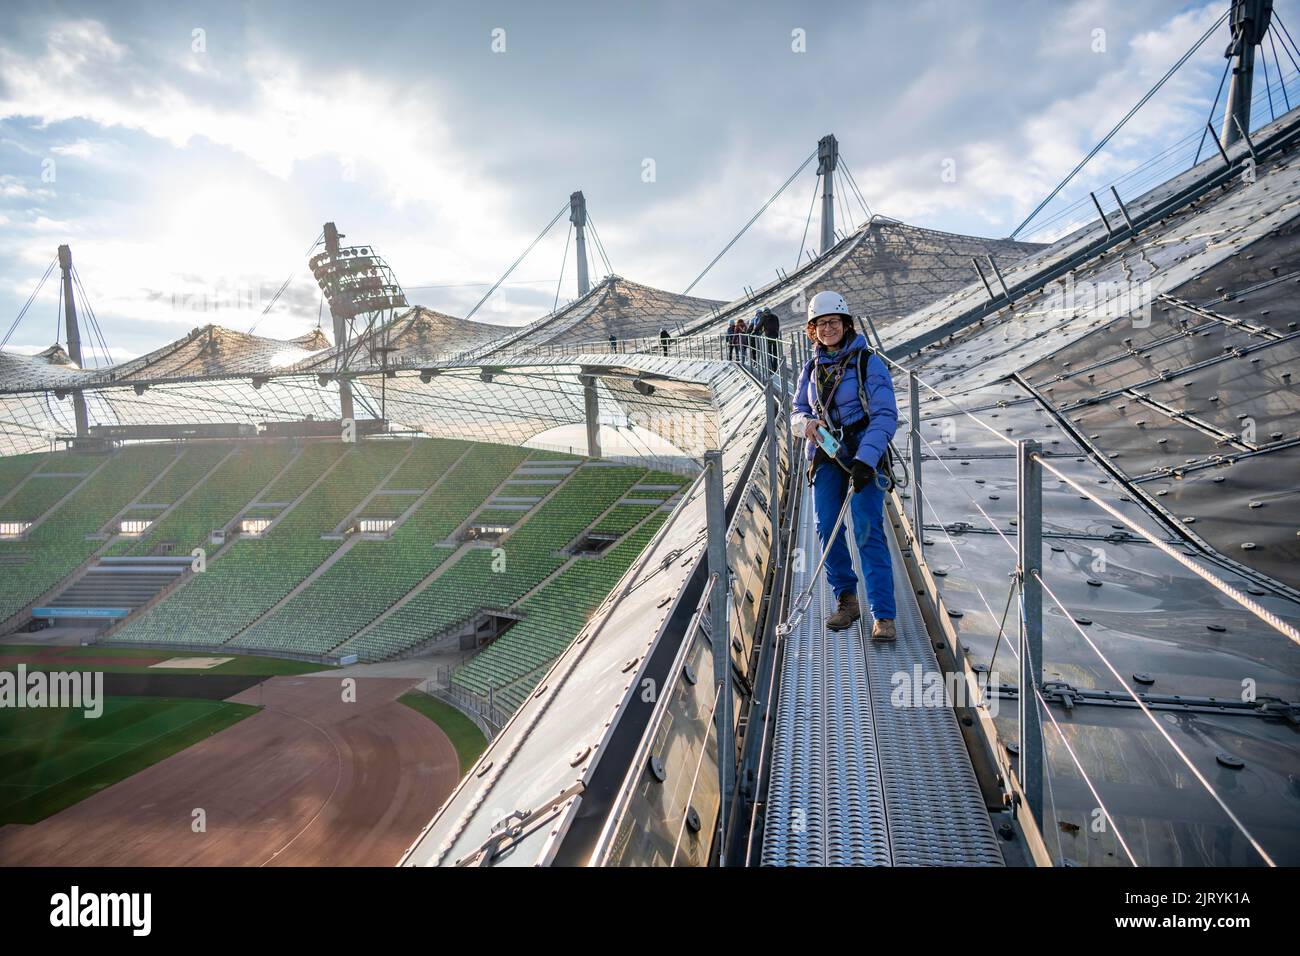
[(830, 484)]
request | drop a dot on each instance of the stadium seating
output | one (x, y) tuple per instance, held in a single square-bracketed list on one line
[(553, 616), (227, 489), (303, 588), (37, 495), (488, 578), (374, 574), (253, 574), (54, 548), (14, 468)]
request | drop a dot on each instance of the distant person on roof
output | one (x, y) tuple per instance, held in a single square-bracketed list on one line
[(663, 339), (754, 332), (846, 388), (772, 335)]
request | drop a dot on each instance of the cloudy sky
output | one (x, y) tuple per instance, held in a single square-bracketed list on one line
[(189, 153)]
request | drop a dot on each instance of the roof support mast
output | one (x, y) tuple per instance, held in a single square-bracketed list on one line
[(340, 323), (578, 216), (74, 336), (1249, 20), (828, 157)]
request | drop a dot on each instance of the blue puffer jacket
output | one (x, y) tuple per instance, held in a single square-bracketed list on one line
[(848, 407)]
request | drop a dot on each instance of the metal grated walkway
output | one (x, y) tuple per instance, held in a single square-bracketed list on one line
[(856, 780)]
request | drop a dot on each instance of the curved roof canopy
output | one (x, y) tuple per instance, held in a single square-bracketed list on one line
[(413, 339), (213, 351), (885, 269), (614, 306)]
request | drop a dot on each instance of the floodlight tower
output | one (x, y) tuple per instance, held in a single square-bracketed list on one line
[(578, 216), (1249, 20), (74, 336), (356, 282), (828, 157)]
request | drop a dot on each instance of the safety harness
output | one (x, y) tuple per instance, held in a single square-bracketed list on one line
[(826, 380)]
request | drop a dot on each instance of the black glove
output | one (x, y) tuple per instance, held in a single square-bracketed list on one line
[(863, 474)]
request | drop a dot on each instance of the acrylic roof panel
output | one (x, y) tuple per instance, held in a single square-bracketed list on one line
[(1206, 416), (1145, 612), (886, 269), (614, 306), (213, 351), (31, 372), (1176, 406), (413, 339), (516, 401)]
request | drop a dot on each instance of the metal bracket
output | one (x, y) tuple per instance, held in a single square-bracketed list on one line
[(518, 824)]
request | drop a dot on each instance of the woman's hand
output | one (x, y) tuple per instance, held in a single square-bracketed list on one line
[(810, 429)]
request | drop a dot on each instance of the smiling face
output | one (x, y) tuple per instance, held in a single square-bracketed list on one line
[(829, 330)]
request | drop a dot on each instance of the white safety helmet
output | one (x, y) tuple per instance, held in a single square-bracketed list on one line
[(827, 303)]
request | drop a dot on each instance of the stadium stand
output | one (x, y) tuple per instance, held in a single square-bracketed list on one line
[(323, 485), (38, 494), (14, 469), (227, 489), (60, 542), (315, 583), (373, 574), (553, 615), (483, 578)]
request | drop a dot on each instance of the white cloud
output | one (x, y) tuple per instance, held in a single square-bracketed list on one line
[(81, 149), (11, 187), (208, 235)]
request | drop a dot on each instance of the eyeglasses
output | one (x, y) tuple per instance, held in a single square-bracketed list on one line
[(828, 322)]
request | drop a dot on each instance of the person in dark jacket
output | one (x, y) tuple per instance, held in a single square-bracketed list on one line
[(663, 339), (772, 336), (753, 330), (829, 395)]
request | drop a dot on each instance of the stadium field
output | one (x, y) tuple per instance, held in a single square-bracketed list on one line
[(51, 758)]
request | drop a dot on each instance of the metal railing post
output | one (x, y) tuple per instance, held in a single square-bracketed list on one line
[(773, 436), (1029, 535), (918, 509), (789, 430), (715, 506)]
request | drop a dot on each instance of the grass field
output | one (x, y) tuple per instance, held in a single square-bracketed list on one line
[(460, 730), (126, 660), (51, 758)]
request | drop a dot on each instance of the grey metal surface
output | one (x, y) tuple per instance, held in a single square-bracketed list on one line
[(857, 779), (669, 793)]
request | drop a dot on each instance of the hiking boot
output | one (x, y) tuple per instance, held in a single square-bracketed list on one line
[(884, 630), (845, 614)]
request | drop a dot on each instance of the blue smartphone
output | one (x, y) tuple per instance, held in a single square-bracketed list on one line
[(828, 442)]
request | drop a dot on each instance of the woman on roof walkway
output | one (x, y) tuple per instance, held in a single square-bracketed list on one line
[(846, 388)]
